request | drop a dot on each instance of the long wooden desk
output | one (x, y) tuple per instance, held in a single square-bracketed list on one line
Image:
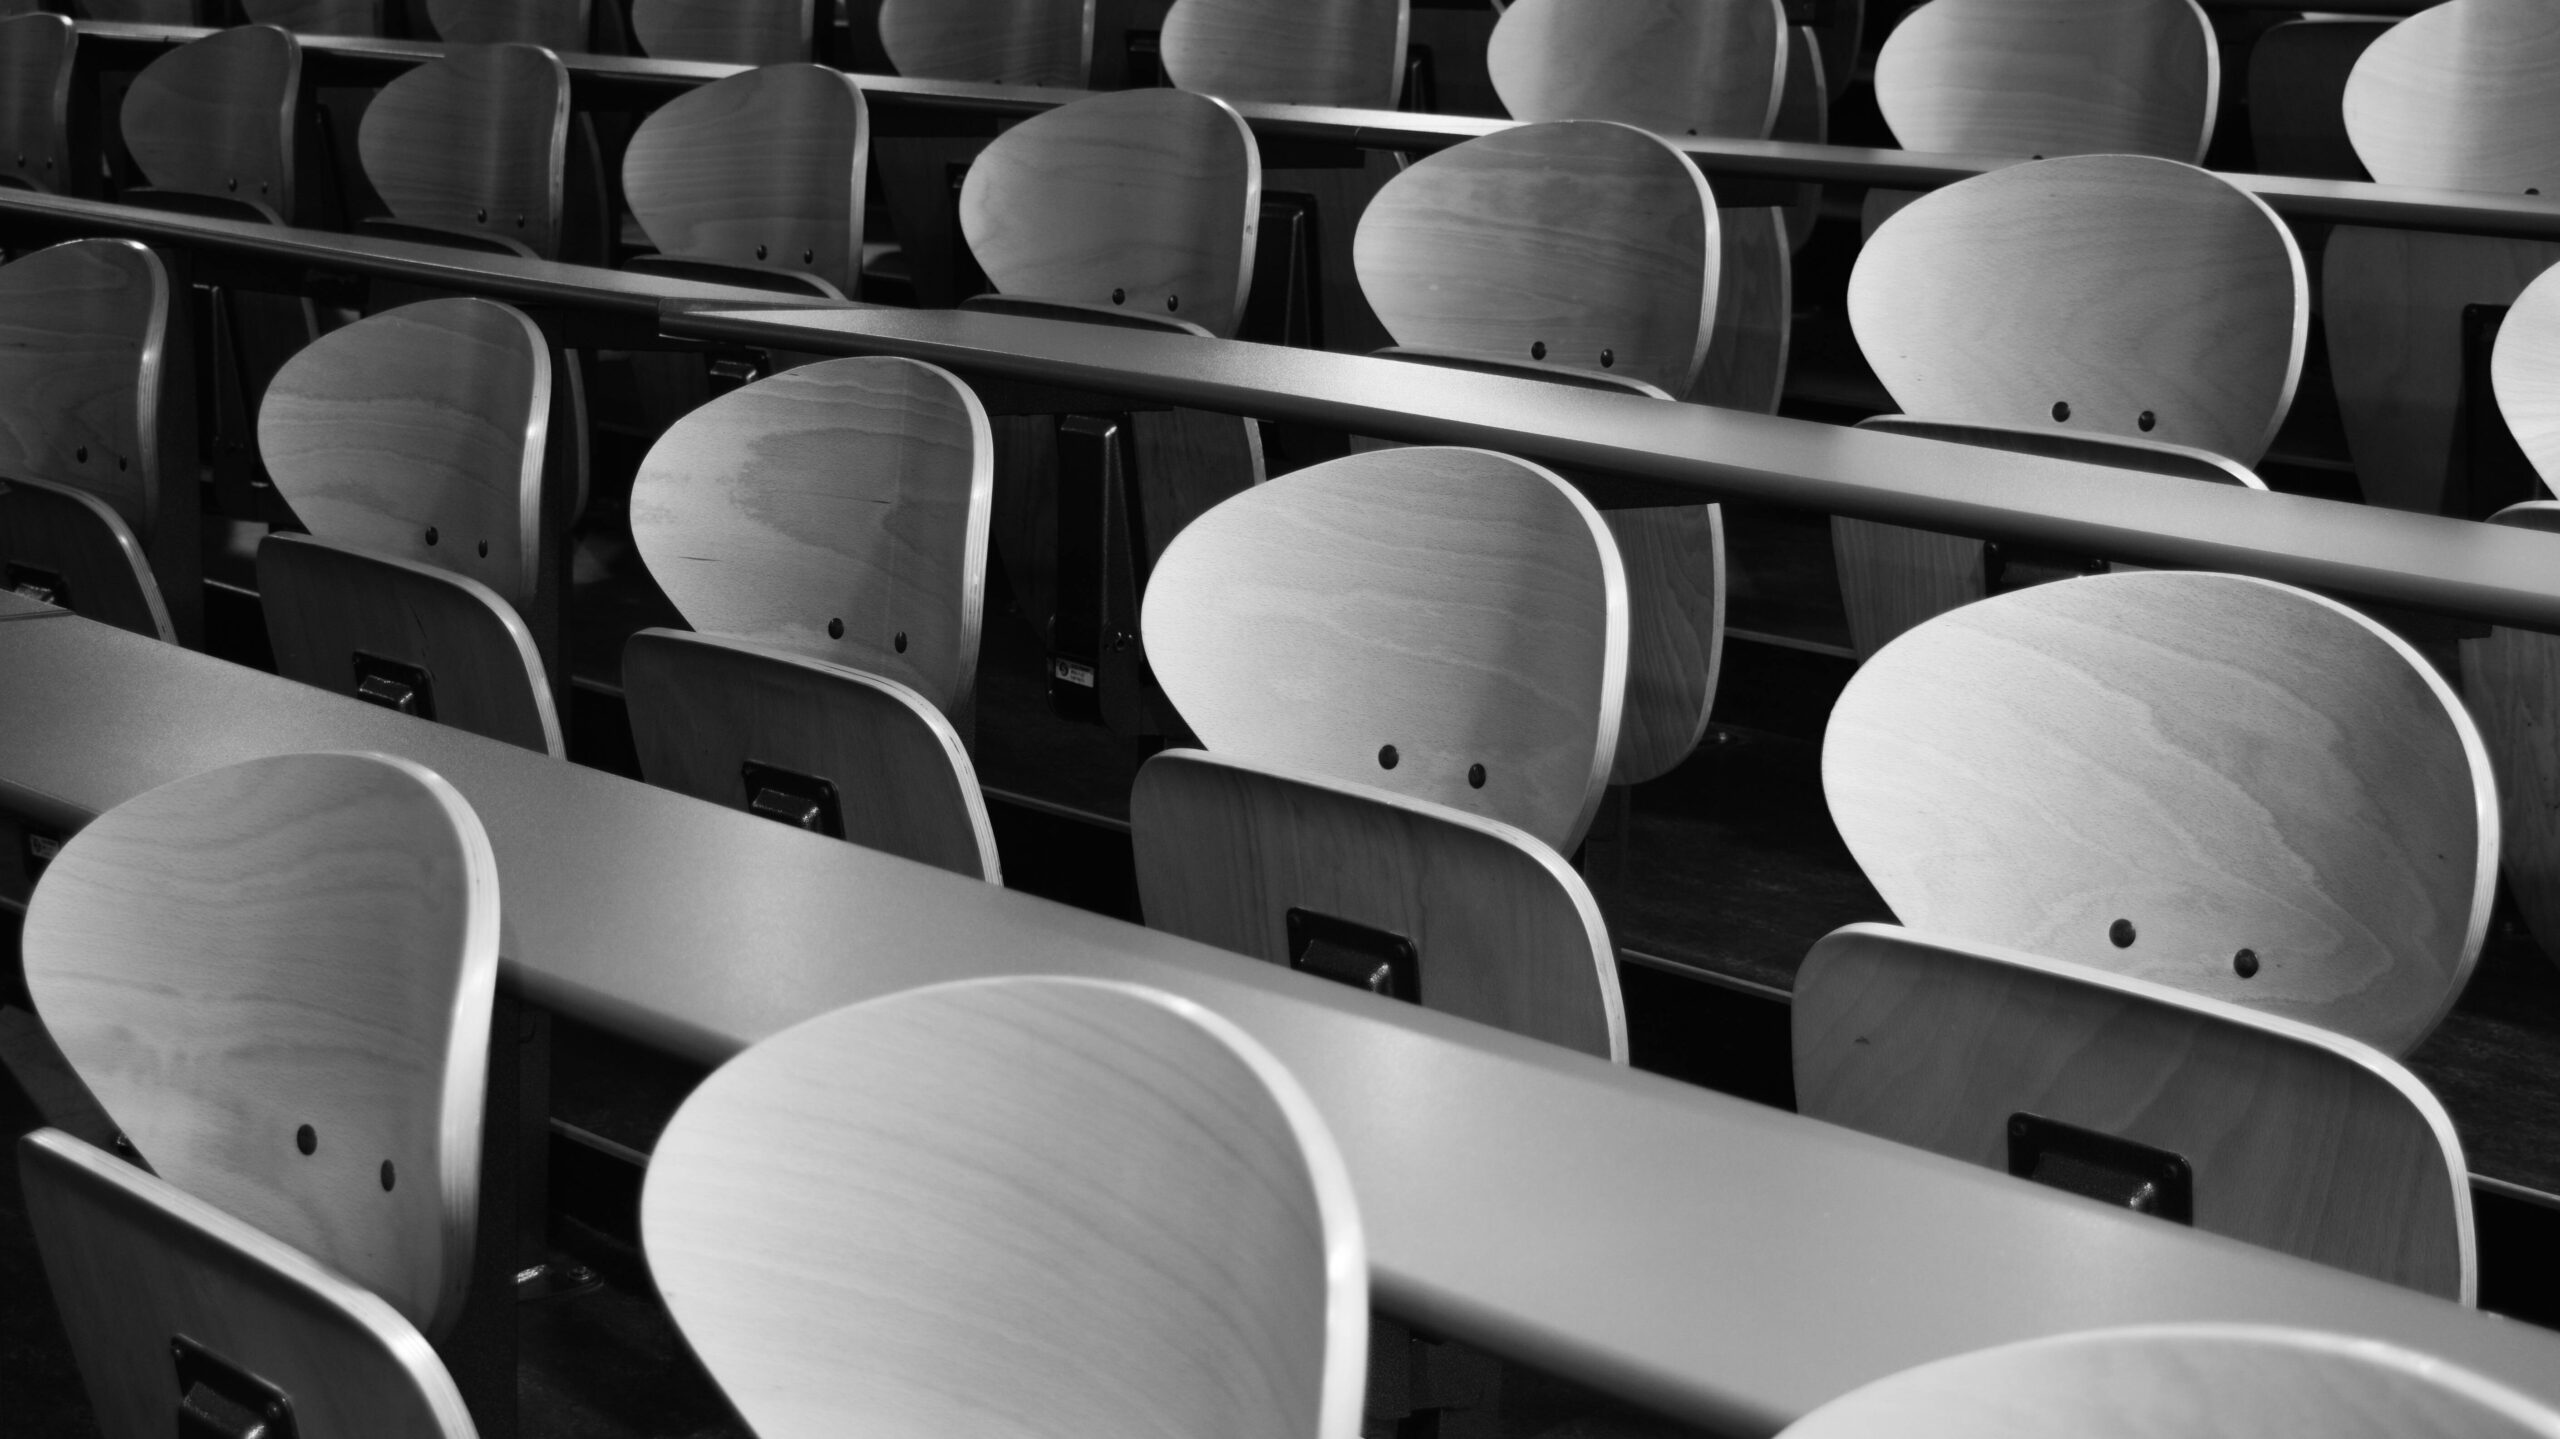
[(1722, 1261)]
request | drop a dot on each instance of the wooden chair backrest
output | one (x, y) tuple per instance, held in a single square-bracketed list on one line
[(73, 544), (216, 117), (136, 1261), (277, 978), (551, 24), (2294, 1138), (35, 103), (1502, 930), (1082, 1206), (2052, 77), (1147, 199), (1293, 52), (1675, 67), (2217, 783), (2461, 97), (997, 42), (763, 169), (1448, 624), (1573, 242), (473, 142), (419, 433), (730, 32), (317, 17), (326, 604), (703, 707), (2113, 293), (2524, 371), (2179, 1381), (837, 510)]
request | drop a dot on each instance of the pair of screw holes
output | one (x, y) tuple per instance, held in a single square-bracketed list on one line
[(81, 455), (1538, 351), (1171, 302), (2243, 964), (483, 217), (1389, 758), (432, 537), (807, 257), (835, 631), (307, 1139), (2145, 420)]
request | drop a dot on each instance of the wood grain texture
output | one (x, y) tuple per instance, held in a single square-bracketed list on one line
[(35, 103), (1290, 52), (474, 143), (996, 42), (1146, 199), (2512, 679), (134, 1259), (730, 32), (1011, 1207), (2392, 302), (317, 17), (2297, 91), (1504, 931), (1674, 559), (1575, 242), (763, 170), (2052, 77), (2524, 370), (2296, 1139), (1674, 67), (298, 941), (2192, 1381), (2459, 97), (325, 603), (215, 117), (1456, 608), (2091, 292), (702, 706), (837, 510), (551, 24), (1747, 347), (77, 538), (1804, 113), (430, 419), (2197, 763)]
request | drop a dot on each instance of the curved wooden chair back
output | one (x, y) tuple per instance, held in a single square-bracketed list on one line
[(2510, 678), (837, 510), (559, 25), (35, 103), (2292, 1138), (1086, 1207), (277, 978), (2052, 77), (2176, 1381), (1711, 68), (1447, 624), (996, 42), (729, 32), (1496, 927), (215, 117), (1145, 200), (1291, 52), (135, 1262), (2524, 371), (419, 433), (69, 548), (2459, 97), (2216, 783), (820, 745), (473, 143), (317, 17), (335, 615), (2114, 294), (762, 170)]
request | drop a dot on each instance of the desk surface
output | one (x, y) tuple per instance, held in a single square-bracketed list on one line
[(15, 606), (1723, 1261)]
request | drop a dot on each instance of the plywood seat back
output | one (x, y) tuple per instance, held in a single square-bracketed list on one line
[(474, 143), (2460, 97), (1675, 67), (35, 103), (419, 433), (837, 510), (68, 548), (84, 377), (997, 42), (2052, 77), (317, 17), (1575, 242), (2216, 783), (2294, 1138), (215, 117), (552, 24), (277, 979), (2176, 1381), (1291, 52), (1145, 200), (2115, 294), (1449, 624), (2524, 370), (1032, 1204), (760, 170), (730, 32)]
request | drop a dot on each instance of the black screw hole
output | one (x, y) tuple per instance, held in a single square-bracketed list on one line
[(1387, 756), (835, 629), (2061, 411), (484, 549), (431, 535), (1119, 297), (519, 222), (2245, 964), (1172, 303), (900, 643), (121, 462), (81, 454), (1475, 776), (1537, 349), (2146, 420), (389, 1177), (481, 216), (233, 183), (2120, 934), (306, 1139), (808, 257), (759, 252), (1608, 358)]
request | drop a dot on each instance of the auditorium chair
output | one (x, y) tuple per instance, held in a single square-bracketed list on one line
[(755, 180), (730, 32), (825, 531), (35, 106), (2174, 1105), (468, 150), (317, 17), (2115, 310), (2216, 783), (1406, 668), (996, 42), (1031, 1204)]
